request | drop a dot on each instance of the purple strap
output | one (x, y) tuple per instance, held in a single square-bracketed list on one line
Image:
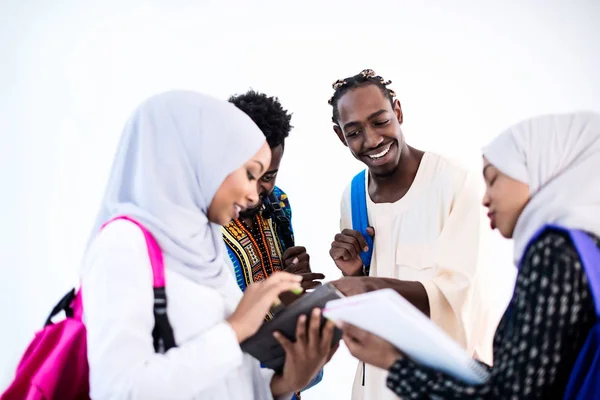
[(590, 257), (589, 254)]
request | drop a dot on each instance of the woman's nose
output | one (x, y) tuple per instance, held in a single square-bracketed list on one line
[(486, 200)]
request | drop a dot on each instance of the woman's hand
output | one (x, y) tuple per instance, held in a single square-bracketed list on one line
[(257, 300), (305, 357), (369, 348)]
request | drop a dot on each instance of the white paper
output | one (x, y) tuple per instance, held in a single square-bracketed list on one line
[(390, 316)]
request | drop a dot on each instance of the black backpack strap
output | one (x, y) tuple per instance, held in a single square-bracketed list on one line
[(63, 305), (273, 210), (162, 332)]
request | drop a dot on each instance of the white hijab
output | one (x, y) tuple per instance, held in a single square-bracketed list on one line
[(558, 156), (175, 151)]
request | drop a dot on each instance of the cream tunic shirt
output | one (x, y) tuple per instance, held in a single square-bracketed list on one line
[(431, 235)]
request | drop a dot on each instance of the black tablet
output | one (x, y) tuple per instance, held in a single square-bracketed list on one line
[(265, 348)]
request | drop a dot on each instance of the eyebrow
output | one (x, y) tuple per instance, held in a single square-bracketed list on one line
[(262, 167), (374, 115), (273, 171)]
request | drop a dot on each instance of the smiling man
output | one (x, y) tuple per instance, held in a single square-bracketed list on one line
[(424, 216)]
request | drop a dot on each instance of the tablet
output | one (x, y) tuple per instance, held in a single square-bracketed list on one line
[(265, 348)]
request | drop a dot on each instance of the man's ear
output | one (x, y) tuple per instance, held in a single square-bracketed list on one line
[(340, 134), (398, 111)]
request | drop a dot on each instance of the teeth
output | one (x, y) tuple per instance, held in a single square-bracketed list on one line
[(379, 155), (238, 208)]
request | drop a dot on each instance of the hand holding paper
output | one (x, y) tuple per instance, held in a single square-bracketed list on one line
[(389, 316), (369, 348)]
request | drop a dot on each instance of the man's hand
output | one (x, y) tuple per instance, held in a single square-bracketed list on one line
[(297, 261), (354, 285), (346, 248), (369, 348), (414, 292)]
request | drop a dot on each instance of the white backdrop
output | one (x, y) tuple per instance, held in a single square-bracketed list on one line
[(72, 70)]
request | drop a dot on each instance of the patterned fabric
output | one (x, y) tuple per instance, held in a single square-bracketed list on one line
[(285, 205), (539, 337), (256, 253)]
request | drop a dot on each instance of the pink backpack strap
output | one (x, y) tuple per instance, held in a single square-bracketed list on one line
[(154, 252), (162, 332)]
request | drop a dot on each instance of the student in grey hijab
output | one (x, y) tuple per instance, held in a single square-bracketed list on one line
[(167, 181), (186, 164)]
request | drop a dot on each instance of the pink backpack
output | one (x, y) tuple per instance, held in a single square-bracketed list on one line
[(55, 365)]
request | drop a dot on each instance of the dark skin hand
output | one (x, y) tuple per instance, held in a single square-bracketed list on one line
[(414, 292), (345, 251), (307, 283), (297, 261), (369, 348), (306, 356)]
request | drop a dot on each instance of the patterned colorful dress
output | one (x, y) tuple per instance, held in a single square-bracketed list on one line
[(256, 253)]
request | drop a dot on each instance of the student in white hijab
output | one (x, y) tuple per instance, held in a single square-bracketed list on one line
[(540, 172), (186, 164)]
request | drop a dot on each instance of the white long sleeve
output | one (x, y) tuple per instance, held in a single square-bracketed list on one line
[(118, 299)]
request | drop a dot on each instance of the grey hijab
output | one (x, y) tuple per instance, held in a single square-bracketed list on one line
[(175, 151)]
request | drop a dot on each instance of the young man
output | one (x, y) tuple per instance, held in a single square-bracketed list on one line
[(261, 241), (423, 212)]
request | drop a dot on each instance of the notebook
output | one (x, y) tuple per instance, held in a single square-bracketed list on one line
[(265, 348), (390, 316)]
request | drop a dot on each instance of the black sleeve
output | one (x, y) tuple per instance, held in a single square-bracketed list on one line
[(537, 341)]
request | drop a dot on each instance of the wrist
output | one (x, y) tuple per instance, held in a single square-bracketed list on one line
[(358, 272), (279, 386), (240, 334), (391, 359)]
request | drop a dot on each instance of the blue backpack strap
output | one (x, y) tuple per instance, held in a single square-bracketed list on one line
[(360, 219)]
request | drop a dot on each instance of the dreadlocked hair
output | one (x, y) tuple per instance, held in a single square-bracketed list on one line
[(364, 78), (267, 113)]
